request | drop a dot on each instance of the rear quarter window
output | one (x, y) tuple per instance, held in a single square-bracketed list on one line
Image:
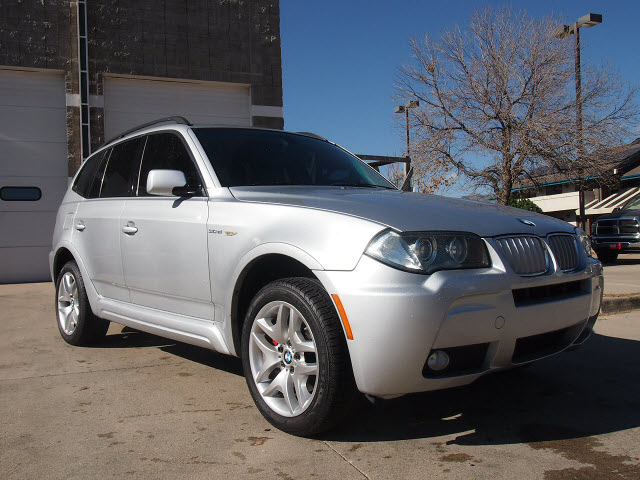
[(86, 177)]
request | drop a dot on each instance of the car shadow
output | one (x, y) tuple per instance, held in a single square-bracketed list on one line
[(131, 338), (128, 337), (206, 357), (591, 391), (587, 392)]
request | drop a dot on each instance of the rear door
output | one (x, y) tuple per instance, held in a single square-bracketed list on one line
[(97, 228), (165, 255)]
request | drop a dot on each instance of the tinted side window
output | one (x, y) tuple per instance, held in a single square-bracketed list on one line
[(96, 184), (166, 151), (85, 178), (122, 168)]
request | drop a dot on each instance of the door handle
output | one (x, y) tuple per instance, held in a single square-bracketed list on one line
[(80, 226), (129, 229)]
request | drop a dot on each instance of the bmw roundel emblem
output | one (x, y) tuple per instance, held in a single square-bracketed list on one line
[(287, 357), (527, 222)]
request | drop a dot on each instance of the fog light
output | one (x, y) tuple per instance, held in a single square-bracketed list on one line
[(438, 360)]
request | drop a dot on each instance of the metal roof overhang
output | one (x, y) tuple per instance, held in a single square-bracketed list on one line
[(612, 201)]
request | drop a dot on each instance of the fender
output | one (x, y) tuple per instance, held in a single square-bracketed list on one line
[(92, 293), (261, 250)]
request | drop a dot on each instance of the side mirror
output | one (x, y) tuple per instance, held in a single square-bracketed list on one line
[(162, 182)]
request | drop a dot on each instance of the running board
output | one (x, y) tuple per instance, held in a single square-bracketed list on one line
[(182, 328)]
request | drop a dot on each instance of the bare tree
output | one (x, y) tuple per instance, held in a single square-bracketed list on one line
[(497, 103)]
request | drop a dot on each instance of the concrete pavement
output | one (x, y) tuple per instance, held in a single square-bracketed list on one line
[(138, 406), (622, 284)]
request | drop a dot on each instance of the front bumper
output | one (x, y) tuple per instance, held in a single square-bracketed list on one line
[(398, 318), (616, 244)]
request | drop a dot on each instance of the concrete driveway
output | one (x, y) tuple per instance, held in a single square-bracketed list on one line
[(138, 406), (623, 276)]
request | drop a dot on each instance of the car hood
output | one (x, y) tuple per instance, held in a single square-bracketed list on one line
[(406, 211), (620, 213)]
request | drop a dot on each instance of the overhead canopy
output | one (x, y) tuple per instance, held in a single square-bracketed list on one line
[(600, 207)]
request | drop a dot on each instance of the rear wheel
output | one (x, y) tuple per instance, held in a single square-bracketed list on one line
[(76, 322), (607, 256), (295, 357)]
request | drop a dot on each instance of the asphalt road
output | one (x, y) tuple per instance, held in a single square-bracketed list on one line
[(138, 406)]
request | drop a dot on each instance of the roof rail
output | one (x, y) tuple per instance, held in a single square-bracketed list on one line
[(174, 119), (314, 135)]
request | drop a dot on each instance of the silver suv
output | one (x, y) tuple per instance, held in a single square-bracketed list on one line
[(291, 253)]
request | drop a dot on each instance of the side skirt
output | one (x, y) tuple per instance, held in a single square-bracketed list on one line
[(182, 328)]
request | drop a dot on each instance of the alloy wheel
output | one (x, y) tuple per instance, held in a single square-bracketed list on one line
[(282, 355), (68, 303)]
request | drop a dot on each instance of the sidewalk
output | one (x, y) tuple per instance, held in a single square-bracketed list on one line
[(622, 285)]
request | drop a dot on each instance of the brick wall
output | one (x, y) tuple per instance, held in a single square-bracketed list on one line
[(212, 40)]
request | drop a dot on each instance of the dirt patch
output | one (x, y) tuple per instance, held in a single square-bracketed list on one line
[(573, 445), (257, 441), (456, 458)]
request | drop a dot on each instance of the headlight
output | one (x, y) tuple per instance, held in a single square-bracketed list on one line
[(585, 241), (428, 252)]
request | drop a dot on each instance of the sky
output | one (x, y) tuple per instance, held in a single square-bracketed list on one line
[(339, 58)]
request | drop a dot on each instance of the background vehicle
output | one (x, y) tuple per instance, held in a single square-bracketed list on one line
[(287, 251), (617, 232)]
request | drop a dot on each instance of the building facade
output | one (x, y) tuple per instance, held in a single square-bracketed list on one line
[(558, 196), (75, 73)]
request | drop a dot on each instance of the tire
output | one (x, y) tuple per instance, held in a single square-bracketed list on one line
[(76, 322), (302, 383), (607, 256)]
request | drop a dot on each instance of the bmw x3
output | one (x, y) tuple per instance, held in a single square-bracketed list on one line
[(291, 253)]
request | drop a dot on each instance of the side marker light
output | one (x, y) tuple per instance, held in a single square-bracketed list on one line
[(343, 316)]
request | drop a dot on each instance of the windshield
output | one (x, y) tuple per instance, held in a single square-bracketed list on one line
[(243, 157), (633, 204)]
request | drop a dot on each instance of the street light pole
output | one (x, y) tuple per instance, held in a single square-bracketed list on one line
[(564, 31), (407, 166), (406, 116)]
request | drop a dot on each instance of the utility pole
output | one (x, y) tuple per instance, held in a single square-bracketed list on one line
[(407, 166), (564, 31)]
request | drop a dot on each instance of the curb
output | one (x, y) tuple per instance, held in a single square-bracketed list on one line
[(620, 304)]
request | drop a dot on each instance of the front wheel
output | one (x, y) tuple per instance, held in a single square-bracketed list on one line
[(295, 357), (76, 321)]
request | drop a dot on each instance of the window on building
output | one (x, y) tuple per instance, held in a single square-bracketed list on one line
[(20, 194), (553, 189)]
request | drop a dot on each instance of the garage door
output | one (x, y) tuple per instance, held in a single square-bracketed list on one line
[(33, 170), (129, 102)]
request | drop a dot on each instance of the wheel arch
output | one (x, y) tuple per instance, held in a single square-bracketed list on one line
[(62, 256), (257, 273), (64, 253)]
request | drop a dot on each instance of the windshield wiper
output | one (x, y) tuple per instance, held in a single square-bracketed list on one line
[(364, 185)]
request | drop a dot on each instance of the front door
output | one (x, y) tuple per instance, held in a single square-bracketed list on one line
[(164, 239)]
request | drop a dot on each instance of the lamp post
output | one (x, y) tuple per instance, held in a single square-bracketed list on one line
[(405, 109), (565, 31)]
